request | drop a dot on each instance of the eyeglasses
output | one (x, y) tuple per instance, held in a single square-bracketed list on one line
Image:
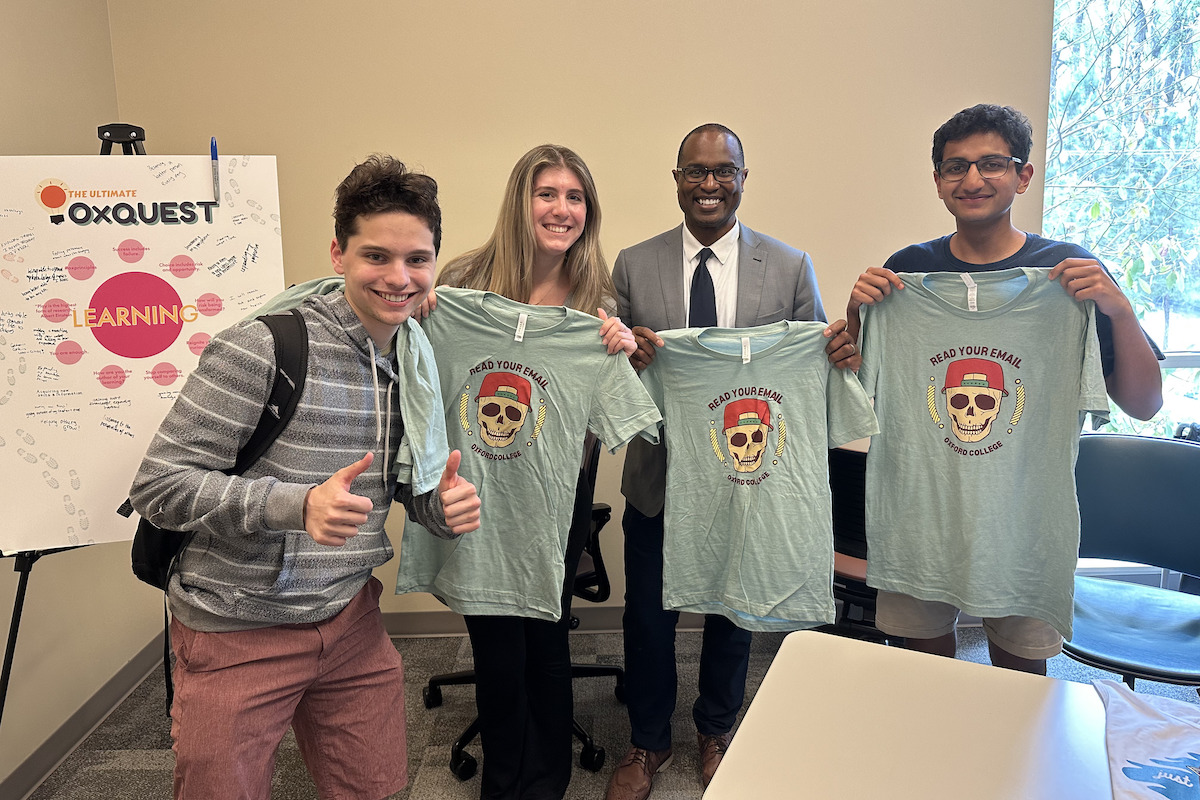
[(700, 174), (955, 169)]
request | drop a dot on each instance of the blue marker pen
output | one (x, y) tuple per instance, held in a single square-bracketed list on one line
[(216, 178)]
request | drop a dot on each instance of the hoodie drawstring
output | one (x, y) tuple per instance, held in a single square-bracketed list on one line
[(382, 431)]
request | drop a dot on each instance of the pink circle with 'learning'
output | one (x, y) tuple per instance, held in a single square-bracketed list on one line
[(68, 352), (135, 315), (209, 304), (164, 373), (182, 266), (81, 268), (131, 251), (112, 376), (55, 310)]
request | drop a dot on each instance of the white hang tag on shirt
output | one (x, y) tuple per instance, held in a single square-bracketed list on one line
[(745, 349), (522, 319), (972, 292)]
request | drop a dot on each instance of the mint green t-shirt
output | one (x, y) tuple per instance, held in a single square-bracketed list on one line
[(522, 385), (981, 385), (749, 416)]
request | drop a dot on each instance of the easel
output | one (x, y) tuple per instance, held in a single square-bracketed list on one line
[(130, 137), (23, 565)]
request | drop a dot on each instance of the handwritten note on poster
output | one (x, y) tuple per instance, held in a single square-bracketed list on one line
[(115, 271)]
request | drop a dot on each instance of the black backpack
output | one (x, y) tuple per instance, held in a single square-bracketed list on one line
[(155, 550)]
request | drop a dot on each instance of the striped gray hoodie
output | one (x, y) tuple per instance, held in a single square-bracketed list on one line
[(251, 564)]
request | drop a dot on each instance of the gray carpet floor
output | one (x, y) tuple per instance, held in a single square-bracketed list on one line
[(128, 757)]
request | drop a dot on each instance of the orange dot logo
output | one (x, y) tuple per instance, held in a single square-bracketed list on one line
[(51, 195)]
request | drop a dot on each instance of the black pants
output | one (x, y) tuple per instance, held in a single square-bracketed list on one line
[(523, 695), (523, 692), (651, 680)]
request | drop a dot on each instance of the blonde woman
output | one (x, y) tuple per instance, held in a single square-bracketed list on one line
[(545, 250)]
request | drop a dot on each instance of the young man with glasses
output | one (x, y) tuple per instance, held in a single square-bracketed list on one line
[(980, 165), (710, 271)]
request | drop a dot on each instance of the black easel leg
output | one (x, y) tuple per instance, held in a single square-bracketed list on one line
[(24, 564)]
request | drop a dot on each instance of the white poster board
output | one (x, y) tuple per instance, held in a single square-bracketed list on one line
[(115, 271)]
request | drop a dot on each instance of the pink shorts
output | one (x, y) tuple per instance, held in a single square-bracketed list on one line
[(339, 683)]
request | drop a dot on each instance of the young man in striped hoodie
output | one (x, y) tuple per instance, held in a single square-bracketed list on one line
[(276, 619)]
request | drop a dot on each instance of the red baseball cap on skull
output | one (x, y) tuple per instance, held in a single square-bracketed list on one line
[(975, 372), (748, 412), (504, 384)]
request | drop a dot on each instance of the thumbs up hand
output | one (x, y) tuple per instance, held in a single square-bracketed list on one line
[(460, 502), (332, 513)]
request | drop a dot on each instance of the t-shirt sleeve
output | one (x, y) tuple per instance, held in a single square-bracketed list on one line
[(621, 406), (1093, 397), (869, 343), (848, 410)]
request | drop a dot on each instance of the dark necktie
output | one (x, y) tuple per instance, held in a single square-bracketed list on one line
[(703, 308)]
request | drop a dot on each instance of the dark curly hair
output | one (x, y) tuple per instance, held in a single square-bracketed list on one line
[(379, 185), (1011, 124)]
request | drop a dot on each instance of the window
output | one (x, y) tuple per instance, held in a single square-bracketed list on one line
[(1123, 170)]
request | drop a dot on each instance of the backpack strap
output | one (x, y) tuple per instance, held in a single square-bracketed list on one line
[(291, 367)]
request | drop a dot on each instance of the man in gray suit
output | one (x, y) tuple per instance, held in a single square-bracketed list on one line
[(709, 271)]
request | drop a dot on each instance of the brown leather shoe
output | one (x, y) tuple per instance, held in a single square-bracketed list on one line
[(634, 776), (712, 750)]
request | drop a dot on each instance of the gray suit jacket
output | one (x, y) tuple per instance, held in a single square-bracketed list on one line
[(775, 282)]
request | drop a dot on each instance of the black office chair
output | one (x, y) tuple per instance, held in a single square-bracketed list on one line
[(856, 600), (590, 583), (1135, 496)]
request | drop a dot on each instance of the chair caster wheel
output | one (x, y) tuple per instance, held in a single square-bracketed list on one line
[(463, 765), (592, 758), (619, 692), (432, 695)]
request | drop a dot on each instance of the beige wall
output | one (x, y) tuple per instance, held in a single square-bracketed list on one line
[(835, 103), (83, 620)]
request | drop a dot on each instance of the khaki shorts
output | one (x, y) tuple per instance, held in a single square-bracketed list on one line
[(1024, 637)]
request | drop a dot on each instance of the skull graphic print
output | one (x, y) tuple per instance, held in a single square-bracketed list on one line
[(746, 425), (503, 408), (974, 389)]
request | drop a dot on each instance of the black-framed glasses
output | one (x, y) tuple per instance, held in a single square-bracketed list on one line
[(955, 169), (696, 174)]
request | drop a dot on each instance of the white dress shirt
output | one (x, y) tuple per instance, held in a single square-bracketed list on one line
[(723, 266)]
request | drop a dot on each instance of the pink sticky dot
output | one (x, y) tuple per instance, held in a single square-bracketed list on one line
[(182, 266), (81, 268), (55, 310), (164, 373), (131, 251), (68, 352), (209, 304), (198, 342), (111, 377)]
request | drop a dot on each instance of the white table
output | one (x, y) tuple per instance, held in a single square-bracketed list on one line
[(842, 718)]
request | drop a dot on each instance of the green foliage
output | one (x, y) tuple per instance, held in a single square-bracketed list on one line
[(1181, 394), (1122, 171)]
